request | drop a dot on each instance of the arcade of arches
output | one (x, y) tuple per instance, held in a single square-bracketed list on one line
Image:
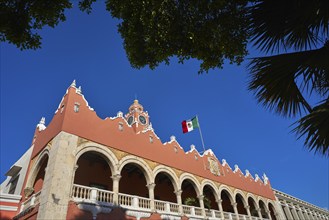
[(93, 170)]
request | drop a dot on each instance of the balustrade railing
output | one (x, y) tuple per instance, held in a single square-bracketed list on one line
[(32, 201), (91, 194), (197, 211), (187, 210)]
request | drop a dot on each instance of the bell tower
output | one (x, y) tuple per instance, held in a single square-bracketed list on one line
[(136, 117)]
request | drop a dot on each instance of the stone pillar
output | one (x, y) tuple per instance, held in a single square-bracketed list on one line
[(116, 179), (268, 214), (220, 207), (259, 211), (247, 207), (57, 185), (151, 195), (235, 208), (287, 211), (300, 214), (179, 200), (294, 213), (201, 197)]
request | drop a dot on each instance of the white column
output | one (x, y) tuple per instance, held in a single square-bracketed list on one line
[(287, 211), (247, 207), (259, 211), (294, 213), (268, 214), (235, 208), (116, 179), (300, 213), (179, 200), (151, 195), (220, 207), (201, 197)]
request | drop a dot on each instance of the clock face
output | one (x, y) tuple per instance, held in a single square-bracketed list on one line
[(142, 119), (130, 120)]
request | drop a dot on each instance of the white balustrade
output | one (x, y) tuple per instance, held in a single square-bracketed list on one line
[(198, 211), (104, 196), (125, 200), (32, 201), (209, 213), (174, 207), (187, 210), (91, 194), (81, 192), (160, 206)]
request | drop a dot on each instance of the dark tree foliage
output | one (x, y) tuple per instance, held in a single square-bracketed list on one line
[(19, 20), (294, 33), (154, 31), (284, 82)]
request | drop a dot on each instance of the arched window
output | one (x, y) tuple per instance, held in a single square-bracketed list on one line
[(93, 171), (164, 188)]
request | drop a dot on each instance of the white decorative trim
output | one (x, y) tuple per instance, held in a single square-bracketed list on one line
[(171, 217), (138, 214), (94, 208), (8, 208), (10, 200), (10, 196)]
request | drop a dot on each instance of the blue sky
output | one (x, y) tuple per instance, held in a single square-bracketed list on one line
[(89, 49)]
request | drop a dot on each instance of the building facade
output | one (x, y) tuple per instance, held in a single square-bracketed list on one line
[(82, 167)]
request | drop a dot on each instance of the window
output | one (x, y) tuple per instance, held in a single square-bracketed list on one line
[(13, 184)]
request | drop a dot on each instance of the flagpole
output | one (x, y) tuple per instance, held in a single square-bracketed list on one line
[(201, 140)]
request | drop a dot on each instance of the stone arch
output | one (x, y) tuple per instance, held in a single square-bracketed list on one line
[(35, 170), (213, 197), (230, 194), (227, 199), (171, 175), (244, 199), (253, 205), (271, 207), (249, 195), (263, 208), (140, 163), (240, 201), (104, 151), (194, 181)]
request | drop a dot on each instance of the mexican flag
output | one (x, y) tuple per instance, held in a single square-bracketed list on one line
[(190, 125)]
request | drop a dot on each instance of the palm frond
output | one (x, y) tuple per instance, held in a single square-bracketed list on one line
[(315, 126), (297, 24)]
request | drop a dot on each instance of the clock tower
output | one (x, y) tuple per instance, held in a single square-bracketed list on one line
[(137, 118)]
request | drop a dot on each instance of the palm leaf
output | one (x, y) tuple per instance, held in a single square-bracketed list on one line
[(297, 24), (315, 126)]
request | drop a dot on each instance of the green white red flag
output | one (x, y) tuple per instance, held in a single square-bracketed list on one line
[(190, 125)]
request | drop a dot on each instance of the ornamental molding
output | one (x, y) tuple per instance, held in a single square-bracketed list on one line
[(177, 172), (119, 154), (81, 141), (138, 214), (95, 209), (151, 164)]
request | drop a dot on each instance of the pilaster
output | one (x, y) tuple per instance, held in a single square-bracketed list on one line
[(55, 193)]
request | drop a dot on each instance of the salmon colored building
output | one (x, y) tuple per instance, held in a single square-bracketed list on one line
[(80, 166)]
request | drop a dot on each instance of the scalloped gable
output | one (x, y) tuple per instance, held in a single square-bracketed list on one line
[(116, 133)]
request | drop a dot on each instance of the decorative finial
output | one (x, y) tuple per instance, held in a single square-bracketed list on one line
[(73, 84), (192, 147), (172, 138), (79, 90), (236, 167), (265, 178), (42, 121), (41, 126), (247, 173), (224, 162)]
